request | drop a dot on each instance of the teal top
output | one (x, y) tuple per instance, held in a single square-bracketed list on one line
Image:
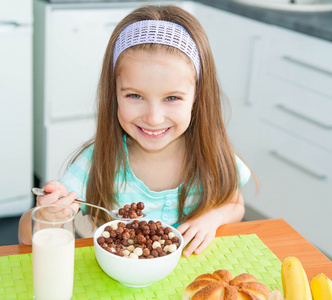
[(162, 205)]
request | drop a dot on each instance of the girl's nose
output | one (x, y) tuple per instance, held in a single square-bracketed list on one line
[(153, 115)]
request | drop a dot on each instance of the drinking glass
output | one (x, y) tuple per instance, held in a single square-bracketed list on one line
[(53, 252)]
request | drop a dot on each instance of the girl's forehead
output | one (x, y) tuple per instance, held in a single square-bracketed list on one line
[(139, 51)]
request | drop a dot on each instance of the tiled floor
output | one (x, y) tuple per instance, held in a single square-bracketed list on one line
[(9, 231)]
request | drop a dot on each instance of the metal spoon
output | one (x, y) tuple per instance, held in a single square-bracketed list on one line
[(113, 213)]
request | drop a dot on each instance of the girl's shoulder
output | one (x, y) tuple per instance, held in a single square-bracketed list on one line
[(243, 172), (88, 152)]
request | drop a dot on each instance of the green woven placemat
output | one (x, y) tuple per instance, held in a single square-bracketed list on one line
[(238, 254)]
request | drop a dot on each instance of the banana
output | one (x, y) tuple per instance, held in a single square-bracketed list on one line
[(294, 280), (321, 287)]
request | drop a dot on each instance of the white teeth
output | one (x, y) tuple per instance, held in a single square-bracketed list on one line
[(154, 132)]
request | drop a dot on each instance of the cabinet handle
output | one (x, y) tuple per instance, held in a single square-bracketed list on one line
[(6, 26), (251, 62), (306, 65), (303, 116), (286, 158)]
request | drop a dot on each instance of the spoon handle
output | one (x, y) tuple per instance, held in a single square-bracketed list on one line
[(95, 206)]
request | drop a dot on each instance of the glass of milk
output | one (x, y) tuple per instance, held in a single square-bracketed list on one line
[(53, 248)]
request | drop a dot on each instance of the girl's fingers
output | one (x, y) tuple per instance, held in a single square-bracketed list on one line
[(48, 199), (68, 200), (206, 242), (188, 236), (199, 238), (183, 228)]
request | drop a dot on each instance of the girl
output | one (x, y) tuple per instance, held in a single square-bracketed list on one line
[(160, 135)]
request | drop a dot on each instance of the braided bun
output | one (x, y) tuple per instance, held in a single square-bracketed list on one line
[(222, 286)]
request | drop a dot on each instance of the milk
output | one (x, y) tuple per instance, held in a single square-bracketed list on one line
[(53, 264)]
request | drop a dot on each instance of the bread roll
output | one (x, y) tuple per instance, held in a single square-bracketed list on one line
[(222, 286)]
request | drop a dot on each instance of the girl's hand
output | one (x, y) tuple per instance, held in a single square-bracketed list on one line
[(200, 231), (55, 190)]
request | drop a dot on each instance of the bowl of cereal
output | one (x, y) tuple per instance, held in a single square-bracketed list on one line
[(137, 253)]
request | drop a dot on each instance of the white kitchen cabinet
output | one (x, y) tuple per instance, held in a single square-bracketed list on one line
[(16, 173), (70, 42), (279, 84), (238, 45), (293, 147)]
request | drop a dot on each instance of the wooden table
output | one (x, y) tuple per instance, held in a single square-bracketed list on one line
[(277, 234)]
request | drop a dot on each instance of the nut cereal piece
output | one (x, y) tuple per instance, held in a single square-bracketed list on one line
[(155, 238), (171, 235), (133, 256), (156, 245), (100, 240), (175, 239), (121, 224), (167, 230), (140, 205), (126, 252), (114, 226), (126, 236), (146, 252), (138, 251), (172, 248), (110, 249), (105, 234), (131, 248)]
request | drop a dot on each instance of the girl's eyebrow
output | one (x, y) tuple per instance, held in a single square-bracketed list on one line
[(176, 92), (124, 89)]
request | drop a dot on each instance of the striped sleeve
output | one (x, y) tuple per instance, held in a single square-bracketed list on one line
[(77, 175), (243, 172)]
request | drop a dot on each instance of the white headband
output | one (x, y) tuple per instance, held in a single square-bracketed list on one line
[(157, 32)]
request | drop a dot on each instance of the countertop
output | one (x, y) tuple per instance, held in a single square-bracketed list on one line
[(282, 239), (316, 24)]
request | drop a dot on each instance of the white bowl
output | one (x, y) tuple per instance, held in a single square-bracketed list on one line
[(136, 272)]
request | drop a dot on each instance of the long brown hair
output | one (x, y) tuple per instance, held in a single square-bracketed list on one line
[(210, 165)]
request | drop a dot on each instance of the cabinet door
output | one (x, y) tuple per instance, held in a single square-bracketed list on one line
[(19, 11), (76, 42), (63, 139), (295, 184), (238, 45), (15, 113)]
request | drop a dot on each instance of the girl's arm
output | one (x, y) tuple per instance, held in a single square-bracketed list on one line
[(202, 230), (55, 188)]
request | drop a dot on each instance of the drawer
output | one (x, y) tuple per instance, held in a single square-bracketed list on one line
[(297, 110), (303, 60), (295, 184)]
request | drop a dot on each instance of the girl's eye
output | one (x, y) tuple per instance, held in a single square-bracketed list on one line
[(172, 98), (135, 96)]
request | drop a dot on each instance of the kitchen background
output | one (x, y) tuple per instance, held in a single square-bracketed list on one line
[(274, 62)]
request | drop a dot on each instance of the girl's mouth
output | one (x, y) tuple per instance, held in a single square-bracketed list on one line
[(154, 133)]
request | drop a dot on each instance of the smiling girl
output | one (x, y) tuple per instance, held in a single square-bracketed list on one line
[(160, 135)]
